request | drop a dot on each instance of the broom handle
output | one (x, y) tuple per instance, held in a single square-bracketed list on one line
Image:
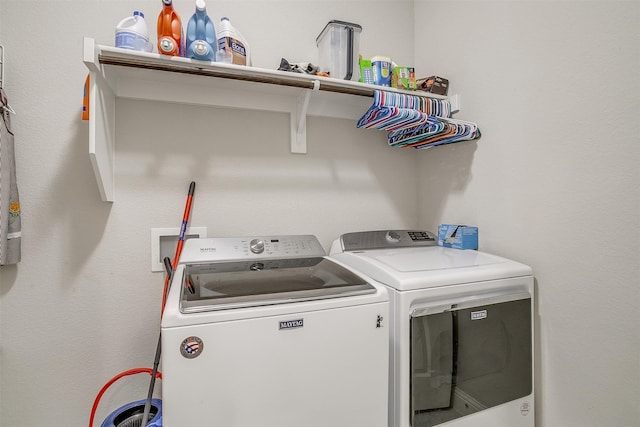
[(183, 229)]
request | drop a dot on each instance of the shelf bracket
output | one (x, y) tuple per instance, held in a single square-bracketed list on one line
[(90, 55), (299, 120), (455, 103)]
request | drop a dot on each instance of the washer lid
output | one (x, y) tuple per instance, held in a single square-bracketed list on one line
[(425, 267), (235, 284)]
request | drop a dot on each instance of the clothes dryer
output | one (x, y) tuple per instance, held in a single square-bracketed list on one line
[(461, 350), (269, 332)]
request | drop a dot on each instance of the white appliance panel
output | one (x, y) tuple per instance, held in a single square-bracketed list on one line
[(421, 267), (402, 305), (423, 279), (330, 372), (431, 258), (268, 332)]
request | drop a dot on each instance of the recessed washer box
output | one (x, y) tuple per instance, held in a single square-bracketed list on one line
[(164, 241)]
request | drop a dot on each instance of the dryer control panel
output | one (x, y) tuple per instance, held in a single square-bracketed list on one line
[(384, 239)]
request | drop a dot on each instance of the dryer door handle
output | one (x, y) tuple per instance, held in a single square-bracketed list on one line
[(468, 302)]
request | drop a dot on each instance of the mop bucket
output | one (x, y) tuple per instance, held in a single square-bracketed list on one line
[(131, 414)]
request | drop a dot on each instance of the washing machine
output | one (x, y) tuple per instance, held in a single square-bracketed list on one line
[(461, 351), (268, 331)]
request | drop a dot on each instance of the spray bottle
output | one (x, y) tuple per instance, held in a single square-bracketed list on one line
[(201, 35), (170, 36)]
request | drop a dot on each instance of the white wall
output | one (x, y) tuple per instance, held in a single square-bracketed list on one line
[(83, 305), (0, 269), (553, 182)]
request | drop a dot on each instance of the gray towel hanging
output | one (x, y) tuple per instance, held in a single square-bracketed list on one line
[(10, 213)]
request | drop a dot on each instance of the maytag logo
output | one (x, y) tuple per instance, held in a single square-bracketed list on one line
[(477, 315), (291, 324)]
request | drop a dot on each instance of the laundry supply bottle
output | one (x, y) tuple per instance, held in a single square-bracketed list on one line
[(132, 33), (201, 35), (170, 36), (232, 46)]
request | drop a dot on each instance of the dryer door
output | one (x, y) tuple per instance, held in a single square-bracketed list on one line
[(469, 355)]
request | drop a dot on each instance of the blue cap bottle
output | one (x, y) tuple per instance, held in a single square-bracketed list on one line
[(201, 35)]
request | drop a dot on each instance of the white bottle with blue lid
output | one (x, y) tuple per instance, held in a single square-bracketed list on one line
[(132, 33)]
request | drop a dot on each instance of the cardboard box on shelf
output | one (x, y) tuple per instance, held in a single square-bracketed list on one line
[(403, 78), (434, 84)]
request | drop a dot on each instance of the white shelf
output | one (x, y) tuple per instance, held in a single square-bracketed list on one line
[(120, 73)]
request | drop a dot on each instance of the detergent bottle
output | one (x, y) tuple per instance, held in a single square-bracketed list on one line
[(131, 33), (232, 44), (201, 35), (170, 40)]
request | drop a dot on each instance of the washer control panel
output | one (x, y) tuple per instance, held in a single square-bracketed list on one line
[(382, 239), (252, 247)]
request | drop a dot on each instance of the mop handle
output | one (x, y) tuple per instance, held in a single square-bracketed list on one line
[(156, 359), (183, 229)]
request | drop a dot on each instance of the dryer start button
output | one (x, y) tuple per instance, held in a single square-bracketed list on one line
[(393, 237)]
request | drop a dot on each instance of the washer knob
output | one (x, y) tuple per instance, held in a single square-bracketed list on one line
[(258, 266), (393, 237), (256, 246)]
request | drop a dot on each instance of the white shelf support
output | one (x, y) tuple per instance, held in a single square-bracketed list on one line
[(102, 119), (299, 120), (90, 55), (101, 123), (455, 103)]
